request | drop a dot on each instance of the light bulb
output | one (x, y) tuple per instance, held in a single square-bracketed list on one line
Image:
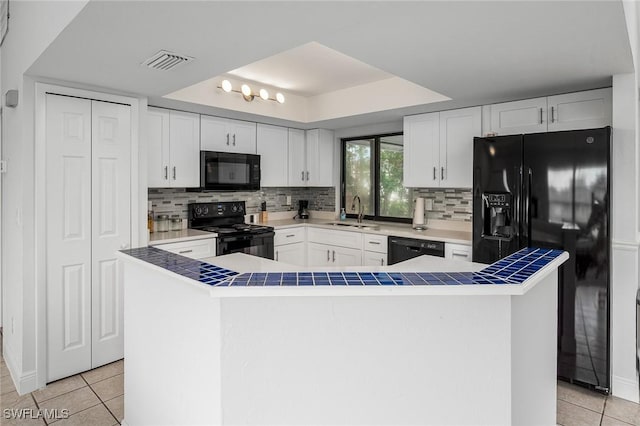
[(226, 86), (246, 90), (264, 94), (280, 97)]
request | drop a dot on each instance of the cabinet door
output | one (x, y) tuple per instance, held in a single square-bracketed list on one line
[(111, 226), (68, 198), (320, 152), (194, 249), (297, 158), (158, 148), (243, 137), (581, 110), (214, 134), (291, 253), (457, 130), (273, 148), (422, 151), (457, 252), (370, 258), (184, 131), (319, 254), (513, 118), (343, 256)]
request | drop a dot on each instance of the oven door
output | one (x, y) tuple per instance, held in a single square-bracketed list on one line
[(229, 171), (260, 245)]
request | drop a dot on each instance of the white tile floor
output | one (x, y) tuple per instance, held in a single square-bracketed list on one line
[(96, 398)]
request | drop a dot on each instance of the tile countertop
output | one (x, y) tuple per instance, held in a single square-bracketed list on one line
[(385, 228), (156, 238)]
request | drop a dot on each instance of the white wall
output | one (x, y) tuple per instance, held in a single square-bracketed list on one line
[(33, 26)]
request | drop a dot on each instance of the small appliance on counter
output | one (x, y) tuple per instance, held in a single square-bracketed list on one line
[(303, 209), (234, 236)]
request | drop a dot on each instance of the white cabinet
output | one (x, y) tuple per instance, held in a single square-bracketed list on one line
[(194, 249), (526, 116), (375, 250), (273, 148), (225, 135), (319, 254), (88, 198), (580, 110), (174, 149), (311, 157), (438, 148), (569, 111), (457, 252), (370, 258), (333, 248), (289, 246)]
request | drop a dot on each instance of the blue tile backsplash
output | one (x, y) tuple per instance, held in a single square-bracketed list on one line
[(513, 269)]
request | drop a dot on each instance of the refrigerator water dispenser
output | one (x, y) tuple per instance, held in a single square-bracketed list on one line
[(498, 215)]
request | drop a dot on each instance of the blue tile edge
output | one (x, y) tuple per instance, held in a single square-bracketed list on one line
[(513, 269)]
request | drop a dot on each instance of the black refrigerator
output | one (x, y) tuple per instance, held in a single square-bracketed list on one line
[(551, 190)]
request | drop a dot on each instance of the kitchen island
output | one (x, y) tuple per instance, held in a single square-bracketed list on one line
[(242, 340)]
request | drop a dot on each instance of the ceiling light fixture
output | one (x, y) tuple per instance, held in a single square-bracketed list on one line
[(248, 94)]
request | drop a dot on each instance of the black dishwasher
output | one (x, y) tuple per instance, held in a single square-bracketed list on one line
[(400, 249)]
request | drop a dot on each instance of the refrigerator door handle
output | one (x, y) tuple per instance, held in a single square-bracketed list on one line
[(527, 207)]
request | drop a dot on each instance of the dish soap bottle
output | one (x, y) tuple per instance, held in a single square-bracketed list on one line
[(343, 214)]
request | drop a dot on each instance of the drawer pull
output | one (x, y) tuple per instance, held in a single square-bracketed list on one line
[(185, 251), (291, 235), (328, 255), (375, 242)]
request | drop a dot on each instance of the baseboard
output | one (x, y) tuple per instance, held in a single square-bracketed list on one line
[(25, 382), (625, 389)]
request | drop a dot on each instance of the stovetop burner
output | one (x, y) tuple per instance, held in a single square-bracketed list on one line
[(224, 218)]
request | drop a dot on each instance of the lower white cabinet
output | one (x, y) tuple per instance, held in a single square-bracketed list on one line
[(371, 258), (290, 253), (328, 255), (194, 249), (375, 250), (457, 252)]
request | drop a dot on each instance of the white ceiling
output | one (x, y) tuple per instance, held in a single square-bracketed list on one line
[(473, 52)]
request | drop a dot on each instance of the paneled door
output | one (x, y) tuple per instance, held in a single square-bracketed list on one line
[(88, 173), (68, 200), (111, 226)]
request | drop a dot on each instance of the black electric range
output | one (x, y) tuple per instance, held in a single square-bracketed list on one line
[(226, 219)]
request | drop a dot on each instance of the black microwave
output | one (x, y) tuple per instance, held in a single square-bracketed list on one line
[(226, 171)]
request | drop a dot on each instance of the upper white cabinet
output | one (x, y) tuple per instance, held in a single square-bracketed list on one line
[(225, 135), (438, 148), (273, 148), (580, 110), (311, 157), (512, 118), (570, 111), (174, 148)]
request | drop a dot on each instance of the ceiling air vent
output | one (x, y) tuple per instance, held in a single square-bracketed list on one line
[(166, 61)]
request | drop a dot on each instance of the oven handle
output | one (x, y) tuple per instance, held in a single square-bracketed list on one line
[(245, 237)]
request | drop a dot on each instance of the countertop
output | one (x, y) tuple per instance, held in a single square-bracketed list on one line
[(385, 228), (156, 238)]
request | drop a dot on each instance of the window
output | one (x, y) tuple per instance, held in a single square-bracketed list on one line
[(372, 170)]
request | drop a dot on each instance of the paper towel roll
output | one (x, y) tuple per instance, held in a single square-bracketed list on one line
[(418, 212)]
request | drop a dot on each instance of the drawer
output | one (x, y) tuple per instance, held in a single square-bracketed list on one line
[(195, 249), (377, 243), (288, 236), (457, 252), (335, 238)]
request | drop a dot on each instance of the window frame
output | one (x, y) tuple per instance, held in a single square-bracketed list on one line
[(376, 179)]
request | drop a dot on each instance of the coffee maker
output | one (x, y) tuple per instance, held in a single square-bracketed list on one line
[(303, 209)]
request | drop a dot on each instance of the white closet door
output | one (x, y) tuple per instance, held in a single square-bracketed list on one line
[(68, 200), (111, 230)]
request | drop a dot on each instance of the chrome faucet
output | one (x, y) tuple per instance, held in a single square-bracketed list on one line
[(360, 209)]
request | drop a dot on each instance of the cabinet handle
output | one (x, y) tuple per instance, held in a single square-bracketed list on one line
[(302, 176), (334, 255), (434, 173), (227, 138), (441, 173), (166, 172), (459, 253), (185, 251), (540, 115), (381, 261), (174, 172), (291, 235), (552, 114), (307, 175), (375, 242), (234, 139), (276, 256), (328, 256)]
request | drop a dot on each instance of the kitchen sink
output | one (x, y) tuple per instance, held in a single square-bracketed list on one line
[(355, 225)]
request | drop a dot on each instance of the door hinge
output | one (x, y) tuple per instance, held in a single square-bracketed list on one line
[(3, 166)]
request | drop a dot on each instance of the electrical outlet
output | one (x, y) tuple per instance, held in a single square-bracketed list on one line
[(288, 200)]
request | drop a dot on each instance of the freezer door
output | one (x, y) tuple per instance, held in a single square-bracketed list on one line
[(497, 164), (568, 209)]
